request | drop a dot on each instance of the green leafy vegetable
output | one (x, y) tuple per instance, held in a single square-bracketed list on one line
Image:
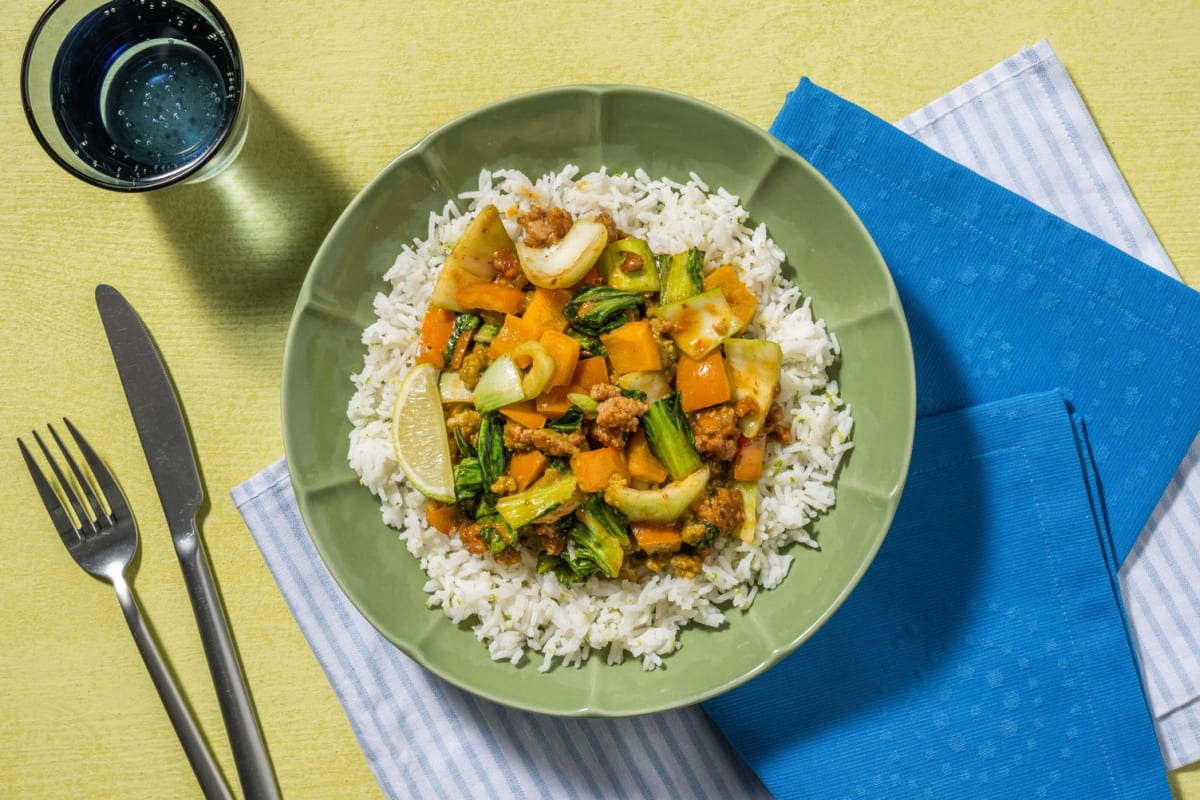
[(492, 538), (600, 548), (601, 309), (468, 479), (463, 323), (683, 276), (546, 494), (588, 345), (464, 447), (494, 530), (640, 273), (603, 520), (670, 437), (568, 422), (661, 262), (582, 567), (569, 571), (547, 563), (487, 332), (584, 403), (490, 443)]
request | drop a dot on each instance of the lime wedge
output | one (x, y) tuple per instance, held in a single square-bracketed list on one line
[(419, 435)]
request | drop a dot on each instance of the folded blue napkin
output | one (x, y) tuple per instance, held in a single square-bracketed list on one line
[(985, 654)]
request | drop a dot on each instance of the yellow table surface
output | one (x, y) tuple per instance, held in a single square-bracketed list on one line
[(339, 89)]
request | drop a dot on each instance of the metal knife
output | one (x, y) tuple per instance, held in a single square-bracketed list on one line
[(168, 448)]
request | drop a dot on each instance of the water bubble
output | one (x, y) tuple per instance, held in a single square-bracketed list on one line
[(120, 112)]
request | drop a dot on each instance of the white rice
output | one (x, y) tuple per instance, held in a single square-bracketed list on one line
[(512, 608)]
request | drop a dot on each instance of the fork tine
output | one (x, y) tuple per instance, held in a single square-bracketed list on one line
[(108, 485), (86, 523), (58, 512), (98, 512)]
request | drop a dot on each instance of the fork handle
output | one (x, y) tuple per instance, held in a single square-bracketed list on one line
[(245, 737), (212, 782)]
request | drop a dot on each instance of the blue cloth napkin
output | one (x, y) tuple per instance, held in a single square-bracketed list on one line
[(985, 652), (1004, 298)]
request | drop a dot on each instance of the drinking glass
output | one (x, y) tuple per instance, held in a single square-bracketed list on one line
[(132, 95)]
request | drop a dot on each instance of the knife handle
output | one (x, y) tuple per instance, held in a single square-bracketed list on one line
[(245, 738)]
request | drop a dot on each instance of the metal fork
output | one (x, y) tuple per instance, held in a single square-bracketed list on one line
[(104, 543)]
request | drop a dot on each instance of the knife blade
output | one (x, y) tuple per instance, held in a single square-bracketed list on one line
[(168, 448)]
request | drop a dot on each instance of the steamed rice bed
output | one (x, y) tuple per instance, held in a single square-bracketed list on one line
[(512, 607)]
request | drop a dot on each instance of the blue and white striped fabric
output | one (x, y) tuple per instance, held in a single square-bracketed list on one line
[(1023, 125), (427, 739)]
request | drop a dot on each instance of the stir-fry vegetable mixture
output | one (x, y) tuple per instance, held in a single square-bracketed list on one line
[(603, 408)]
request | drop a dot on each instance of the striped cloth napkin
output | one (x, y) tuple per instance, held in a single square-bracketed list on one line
[(1022, 124)]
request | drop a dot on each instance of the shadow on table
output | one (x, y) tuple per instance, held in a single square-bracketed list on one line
[(249, 234)]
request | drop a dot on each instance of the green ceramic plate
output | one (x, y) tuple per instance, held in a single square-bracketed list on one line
[(830, 256)]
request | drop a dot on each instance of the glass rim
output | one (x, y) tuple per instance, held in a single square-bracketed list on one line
[(167, 179)]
